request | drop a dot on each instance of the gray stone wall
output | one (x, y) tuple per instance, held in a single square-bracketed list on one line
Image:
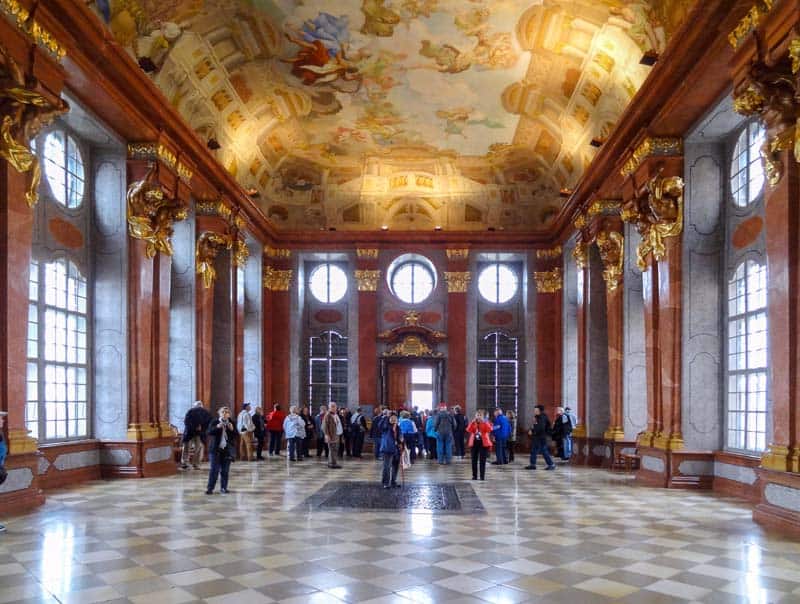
[(704, 200), (182, 386), (569, 384), (597, 397), (110, 293), (253, 351), (634, 394)]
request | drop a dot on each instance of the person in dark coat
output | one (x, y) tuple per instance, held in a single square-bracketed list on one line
[(391, 448), (538, 434), (195, 424), (221, 449), (459, 432), (260, 432), (305, 415), (358, 429)]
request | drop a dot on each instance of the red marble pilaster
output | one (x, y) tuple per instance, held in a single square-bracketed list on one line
[(549, 338), (204, 325), (670, 336), (614, 308), (367, 278), (279, 279), (650, 304), (162, 296), (458, 279), (581, 321)]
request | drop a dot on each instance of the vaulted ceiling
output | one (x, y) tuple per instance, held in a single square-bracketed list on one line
[(411, 114)]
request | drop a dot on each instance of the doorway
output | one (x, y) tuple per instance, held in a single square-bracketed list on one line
[(411, 383)]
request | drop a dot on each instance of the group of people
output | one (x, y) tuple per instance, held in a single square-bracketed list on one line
[(339, 432)]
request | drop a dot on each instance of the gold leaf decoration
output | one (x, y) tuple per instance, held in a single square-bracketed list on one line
[(457, 282), (151, 216), (548, 282), (612, 252), (276, 280), (367, 281)]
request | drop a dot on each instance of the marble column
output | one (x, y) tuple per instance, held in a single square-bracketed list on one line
[(580, 254), (458, 279), (367, 277), (549, 299), (277, 283)]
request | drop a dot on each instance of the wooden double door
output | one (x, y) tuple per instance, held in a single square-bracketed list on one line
[(411, 382)]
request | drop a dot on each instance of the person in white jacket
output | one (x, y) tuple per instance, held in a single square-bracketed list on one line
[(246, 427), (294, 429)]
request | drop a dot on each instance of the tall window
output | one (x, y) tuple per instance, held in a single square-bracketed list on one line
[(328, 283), (498, 372), (63, 167), (747, 358), (747, 173), (327, 369), (57, 393), (497, 283)]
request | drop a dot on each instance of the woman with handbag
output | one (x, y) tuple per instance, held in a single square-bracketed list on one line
[(480, 443), (221, 450)]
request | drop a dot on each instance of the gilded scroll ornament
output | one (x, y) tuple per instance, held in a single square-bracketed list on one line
[(367, 281), (151, 216), (652, 146), (208, 246), (612, 252), (457, 282), (770, 92), (548, 282), (749, 22), (367, 253), (240, 252), (457, 254), (276, 280), (549, 254), (580, 222), (411, 346), (24, 113), (23, 19), (661, 217), (581, 255)]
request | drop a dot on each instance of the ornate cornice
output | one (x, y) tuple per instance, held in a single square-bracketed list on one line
[(24, 112), (604, 206), (749, 22), (649, 147), (152, 151), (151, 215), (612, 252), (548, 282), (276, 280), (367, 281), (21, 17), (208, 246), (272, 252), (458, 254), (549, 254), (219, 208), (457, 282), (368, 253)]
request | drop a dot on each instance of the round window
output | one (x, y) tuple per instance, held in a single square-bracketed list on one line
[(63, 167), (497, 283), (747, 172), (328, 283), (412, 281)]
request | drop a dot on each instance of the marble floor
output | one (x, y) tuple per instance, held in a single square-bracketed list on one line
[(573, 535)]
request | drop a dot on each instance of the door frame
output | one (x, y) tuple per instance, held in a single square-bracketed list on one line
[(438, 364)]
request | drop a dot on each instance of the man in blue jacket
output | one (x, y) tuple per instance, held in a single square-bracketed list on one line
[(3, 453), (501, 430)]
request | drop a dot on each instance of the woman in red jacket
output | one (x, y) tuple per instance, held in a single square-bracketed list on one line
[(275, 429), (480, 441)]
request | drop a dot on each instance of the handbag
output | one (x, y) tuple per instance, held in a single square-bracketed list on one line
[(405, 459)]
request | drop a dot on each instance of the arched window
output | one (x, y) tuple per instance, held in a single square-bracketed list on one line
[(328, 283), (327, 369), (498, 372), (57, 392), (497, 283), (747, 173), (63, 167), (412, 278), (747, 358)]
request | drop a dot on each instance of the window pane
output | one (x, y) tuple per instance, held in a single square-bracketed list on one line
[(421, 375), (497, 283), (412, 282)]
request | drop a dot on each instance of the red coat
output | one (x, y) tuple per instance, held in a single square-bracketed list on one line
[(485, 430), (275, 421)]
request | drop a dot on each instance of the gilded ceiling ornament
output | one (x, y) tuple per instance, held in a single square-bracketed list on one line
[(276, 280), (649, 147), (24, 113), (549, 254), (602, 206), (457, 254), (369, 253), (548, 282), (208, 246), (770, 92), (367, 281), (151, 215), (457, 282), (581, 255), (22, 18), (749, 22), (612, 252), (278, 253), (660, 218)]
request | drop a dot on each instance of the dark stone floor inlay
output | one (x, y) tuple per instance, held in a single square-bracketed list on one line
[(440, 497)]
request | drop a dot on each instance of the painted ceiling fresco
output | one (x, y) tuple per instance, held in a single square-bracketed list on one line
[(412, 114)]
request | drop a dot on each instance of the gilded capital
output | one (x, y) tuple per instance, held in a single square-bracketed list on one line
[(367, 253), (278, 253), (240, 252), (24, 112), (208, 246), (276, 280), (457, 282), (151, 216), (548, 282), (612, 252), (549, 254), (458, 254), (581, 255), (367, 281)]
